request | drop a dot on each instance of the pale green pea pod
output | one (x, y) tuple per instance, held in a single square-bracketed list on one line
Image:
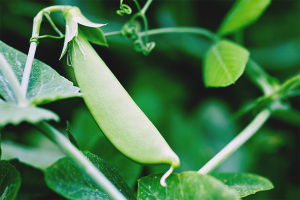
[(117, 115)]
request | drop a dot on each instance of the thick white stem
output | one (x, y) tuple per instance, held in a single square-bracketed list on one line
[(27, 69), (78, 157), (237, 142)]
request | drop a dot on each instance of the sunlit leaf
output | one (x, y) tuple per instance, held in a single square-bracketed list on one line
[(224, 63), (187, 186), (45, 84), (67, 179), (245, 183), (242, 14)]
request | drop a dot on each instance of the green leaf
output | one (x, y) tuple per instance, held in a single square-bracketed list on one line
[(68, 180), (242, 14), (33, 183), (94, 35), (39, 157), (245, 183), (187, 186), (224, 63), (45, 84), (93, 140), (14, 114), (10, 181), (70, 135)]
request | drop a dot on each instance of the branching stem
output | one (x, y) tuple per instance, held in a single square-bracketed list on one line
[(146, 6), (33, 44), (78, 157), (237, 142)]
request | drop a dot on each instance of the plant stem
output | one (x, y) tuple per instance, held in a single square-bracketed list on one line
[(290, 84), (33, 44), (12, 80), (237, 142), (146, 6), (61, 35), (113, 33), (27, 69), (258, 75), (191, 30), (78, 157), (137, 5)]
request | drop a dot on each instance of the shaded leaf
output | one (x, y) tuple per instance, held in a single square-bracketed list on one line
[(245, 183), (10, 181), (33, 183), (242, 14), (14, 114), (67, 179), (70, 135), (93, 140), (45, 84), (187, 186), (224, 63)]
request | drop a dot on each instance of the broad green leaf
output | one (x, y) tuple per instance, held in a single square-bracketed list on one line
[(70, 135), (184, 186), (38, 157), (14, 114), (33, 183), (45, 84), (242, 14), (224, 63), (245, 183), (94, 35), (10, 181), (68, 180), (93, 140)]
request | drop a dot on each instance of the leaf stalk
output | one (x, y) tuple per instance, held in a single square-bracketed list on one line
[(78, 157)]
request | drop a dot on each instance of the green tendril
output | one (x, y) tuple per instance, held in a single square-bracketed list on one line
[(132, 28), (61, 35), (125, 9)]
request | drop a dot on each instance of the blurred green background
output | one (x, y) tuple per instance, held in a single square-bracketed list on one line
[(167, 85)]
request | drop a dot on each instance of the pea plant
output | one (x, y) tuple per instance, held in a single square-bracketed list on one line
[(89, 173)]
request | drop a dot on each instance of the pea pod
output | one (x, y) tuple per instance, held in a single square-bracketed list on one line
[(117, 115)]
